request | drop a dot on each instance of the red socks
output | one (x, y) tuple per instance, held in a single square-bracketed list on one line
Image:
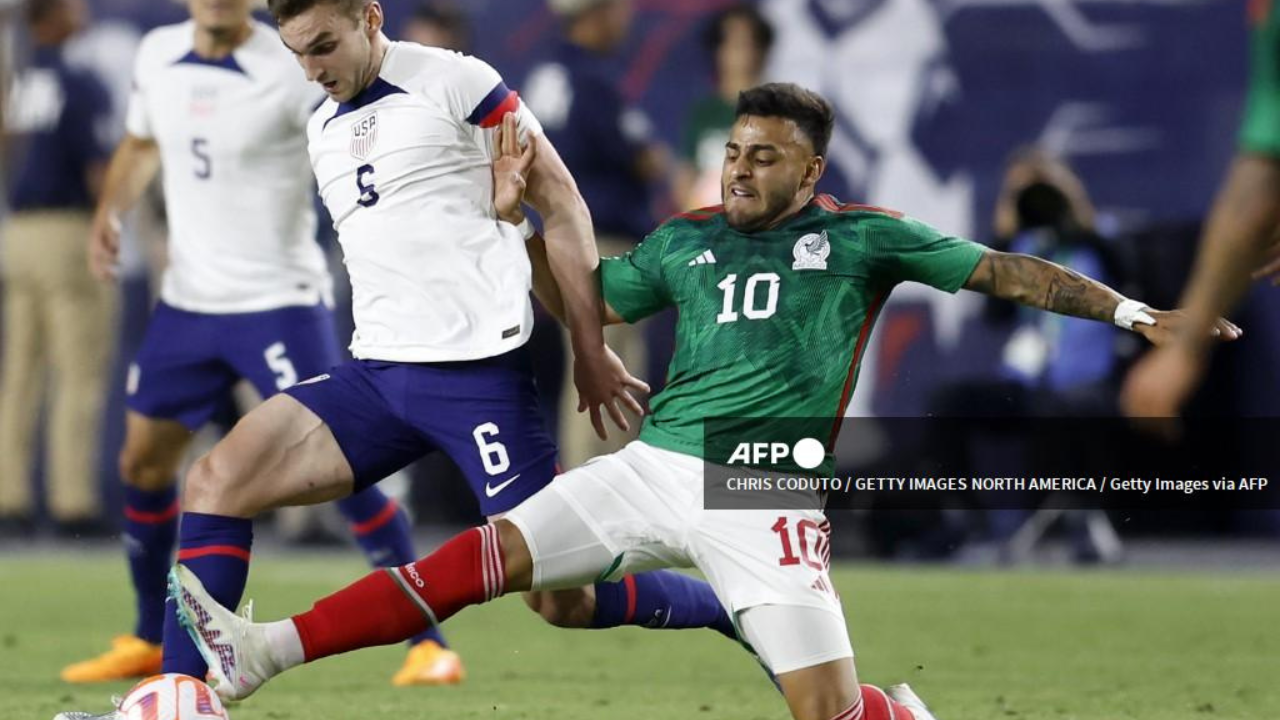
[(391, 605), (875, 705)]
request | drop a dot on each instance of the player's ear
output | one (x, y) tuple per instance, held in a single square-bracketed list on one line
[(813, 171), (373, 18)]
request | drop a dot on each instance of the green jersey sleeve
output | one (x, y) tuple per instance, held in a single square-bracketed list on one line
[(903, 249), (1261, 129), (633, 284)]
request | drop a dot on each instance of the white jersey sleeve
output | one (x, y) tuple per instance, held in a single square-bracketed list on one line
[(477, 95), (136, 121)]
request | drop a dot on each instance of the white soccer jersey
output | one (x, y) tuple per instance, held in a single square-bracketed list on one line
[(232, 144), (404, 169)]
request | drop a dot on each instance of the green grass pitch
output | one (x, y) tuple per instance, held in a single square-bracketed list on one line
[(976, 645)]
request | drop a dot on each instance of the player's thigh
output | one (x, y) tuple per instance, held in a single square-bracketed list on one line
[(279, 454), (351, 400), (178, 373), (153, 450), (792, 638), (277, 349), (756, 558), (486, 416), (598, 522)]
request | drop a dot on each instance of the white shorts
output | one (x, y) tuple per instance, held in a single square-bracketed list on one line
[(641, 509)]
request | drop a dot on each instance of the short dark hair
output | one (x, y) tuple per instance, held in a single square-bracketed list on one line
[(761, 29), (283, 10), (810, 111)]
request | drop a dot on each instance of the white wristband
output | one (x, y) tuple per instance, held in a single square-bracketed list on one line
[(526, 229), (1131, 312)]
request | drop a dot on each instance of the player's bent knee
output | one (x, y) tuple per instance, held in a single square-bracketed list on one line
[(562, 608), (145, 471), (821, 692), (516, 559), (212, 488)]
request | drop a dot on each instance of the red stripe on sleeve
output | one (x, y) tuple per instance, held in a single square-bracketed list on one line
[(509, 105)]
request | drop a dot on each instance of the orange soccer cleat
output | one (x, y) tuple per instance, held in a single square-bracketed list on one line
[(129, 657), (430, 664)]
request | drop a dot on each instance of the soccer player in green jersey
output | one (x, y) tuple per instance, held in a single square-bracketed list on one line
[(777, 293), (1240, 238)]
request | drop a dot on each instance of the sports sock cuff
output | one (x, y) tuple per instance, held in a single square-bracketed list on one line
[(204, 535), (285, 643), (150, 506)]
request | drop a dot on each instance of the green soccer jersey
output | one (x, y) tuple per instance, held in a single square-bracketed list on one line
[(1261, 130), (772, 324)]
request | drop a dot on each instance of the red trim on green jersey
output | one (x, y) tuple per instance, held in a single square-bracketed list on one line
[(830, 204), (1259, 11), (705, 213), (863, 335)]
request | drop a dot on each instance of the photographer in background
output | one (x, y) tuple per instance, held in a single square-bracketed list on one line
[(1051, 366)]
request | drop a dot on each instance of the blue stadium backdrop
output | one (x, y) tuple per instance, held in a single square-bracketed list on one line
[(1142, 96)]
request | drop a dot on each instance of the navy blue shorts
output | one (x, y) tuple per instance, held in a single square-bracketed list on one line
[(483, 413), (189, 361)]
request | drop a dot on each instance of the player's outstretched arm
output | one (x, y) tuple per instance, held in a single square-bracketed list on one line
[(600, 377), (1038, 283), (134, 164)]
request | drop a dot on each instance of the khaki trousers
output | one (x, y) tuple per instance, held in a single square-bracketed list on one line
[(60, 335), (578, 440)]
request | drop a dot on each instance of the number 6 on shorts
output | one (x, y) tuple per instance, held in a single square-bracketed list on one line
[(492, 454)]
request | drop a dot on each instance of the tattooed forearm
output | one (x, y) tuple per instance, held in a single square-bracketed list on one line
[(1039, 283)]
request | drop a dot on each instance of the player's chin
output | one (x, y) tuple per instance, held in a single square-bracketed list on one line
[(740, 215)]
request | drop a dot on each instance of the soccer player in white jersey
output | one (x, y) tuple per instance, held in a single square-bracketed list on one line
[(791, 271), (219, 103), (402, 150)]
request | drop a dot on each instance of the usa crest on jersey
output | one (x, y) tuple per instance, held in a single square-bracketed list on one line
[(364, 135), (811, 252)]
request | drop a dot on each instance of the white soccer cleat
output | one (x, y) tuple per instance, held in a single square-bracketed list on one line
[(235, 647), (80, 715), (905, 695)]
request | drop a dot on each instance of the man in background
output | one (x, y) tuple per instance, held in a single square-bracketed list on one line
[(56, 316), (608, 146), (439, 24), (738, 40)]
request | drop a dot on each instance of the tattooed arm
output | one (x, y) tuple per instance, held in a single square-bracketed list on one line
[(1041, 284), (1028, 280)]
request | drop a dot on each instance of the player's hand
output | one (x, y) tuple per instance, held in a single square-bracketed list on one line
[(1162, 381), (1170, 323), (511, 170), (104, 246), (604, 381)]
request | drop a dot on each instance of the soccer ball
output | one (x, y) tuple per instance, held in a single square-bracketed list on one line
[(172, 697)]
